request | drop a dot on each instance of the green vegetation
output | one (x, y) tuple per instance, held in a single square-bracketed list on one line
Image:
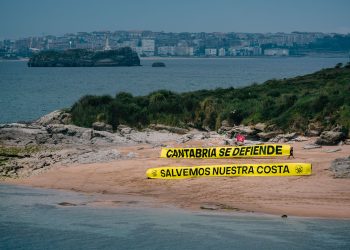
[(85, 58), (16, 152), (291, 104)]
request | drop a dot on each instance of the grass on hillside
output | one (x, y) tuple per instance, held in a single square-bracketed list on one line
[(321, 98)]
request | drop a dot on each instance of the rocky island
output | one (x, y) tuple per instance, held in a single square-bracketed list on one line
[(85, 58), (158, 65)]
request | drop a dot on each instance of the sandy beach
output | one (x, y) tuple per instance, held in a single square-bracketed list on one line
[(318, 195)]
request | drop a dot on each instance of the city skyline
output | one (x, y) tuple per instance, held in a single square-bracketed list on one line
[(23, 19)]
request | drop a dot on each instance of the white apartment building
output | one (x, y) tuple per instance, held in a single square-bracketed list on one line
[(148, 47), (210, 52)]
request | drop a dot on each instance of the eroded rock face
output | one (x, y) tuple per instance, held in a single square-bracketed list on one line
[(330, 138)]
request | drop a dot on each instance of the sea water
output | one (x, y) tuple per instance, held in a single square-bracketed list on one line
[(31, 218), (28, 93)]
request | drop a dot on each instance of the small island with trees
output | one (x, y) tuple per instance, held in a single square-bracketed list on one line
[(85, 58)]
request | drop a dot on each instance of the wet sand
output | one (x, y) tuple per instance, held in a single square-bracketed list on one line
[(318, 195)]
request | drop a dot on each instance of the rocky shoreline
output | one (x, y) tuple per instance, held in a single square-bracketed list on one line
[(28, 149)]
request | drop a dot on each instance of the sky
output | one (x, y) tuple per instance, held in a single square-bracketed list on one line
[(24, 18)]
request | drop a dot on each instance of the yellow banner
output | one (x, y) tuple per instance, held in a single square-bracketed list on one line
[(265, 169), (228, 152)]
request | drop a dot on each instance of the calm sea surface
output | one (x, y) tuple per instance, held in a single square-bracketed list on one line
[(28, 93), (31, 219)]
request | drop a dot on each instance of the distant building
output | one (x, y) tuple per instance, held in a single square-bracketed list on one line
[(210, 52), (276, 52), (184, 50), (138, 50), (221, 52), (257, 51), (166, 51), (148, 47)]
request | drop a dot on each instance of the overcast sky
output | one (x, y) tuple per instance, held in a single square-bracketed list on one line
[(23, 18)]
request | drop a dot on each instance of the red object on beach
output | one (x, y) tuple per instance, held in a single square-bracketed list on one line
[(240, 138)]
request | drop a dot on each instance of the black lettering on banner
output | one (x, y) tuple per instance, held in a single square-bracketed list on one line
[(286, 169), (193, 171), (201, 171), (248, 149), (278, 150), (251, 170), (175, 154), (222, 152), (178, 172), (262, 150), (169, 153), (181, 153), (265, 169), (270, 150), (207, 171), (215, 171), (242, 151), (222, 170), (228, 151), (233, 170), (192, 153), (198, 152), (244, 170), (186, 151), (259, 169), (235, 152), (256, 150), (213, 152), (205, 152), (162, 173), (274, 169), (228, 170)]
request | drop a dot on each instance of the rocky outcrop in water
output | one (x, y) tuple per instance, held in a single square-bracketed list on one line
[(85, 58)]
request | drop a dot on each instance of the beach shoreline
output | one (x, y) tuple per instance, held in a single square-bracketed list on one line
[(317, 196)]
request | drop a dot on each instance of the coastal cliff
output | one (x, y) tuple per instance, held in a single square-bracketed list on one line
[(85, 58)]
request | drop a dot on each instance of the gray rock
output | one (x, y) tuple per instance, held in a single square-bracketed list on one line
[(313, 133), (55, 117), (175, 130), (185, 138), (314, 129), (241, 129), (333, 150), (268, 135), (260, 127), (101, 126), (283, 137), (311, 146), (330, 138), (124, 130), (341, 167)]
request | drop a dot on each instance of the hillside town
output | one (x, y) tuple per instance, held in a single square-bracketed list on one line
[(167, 44)]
